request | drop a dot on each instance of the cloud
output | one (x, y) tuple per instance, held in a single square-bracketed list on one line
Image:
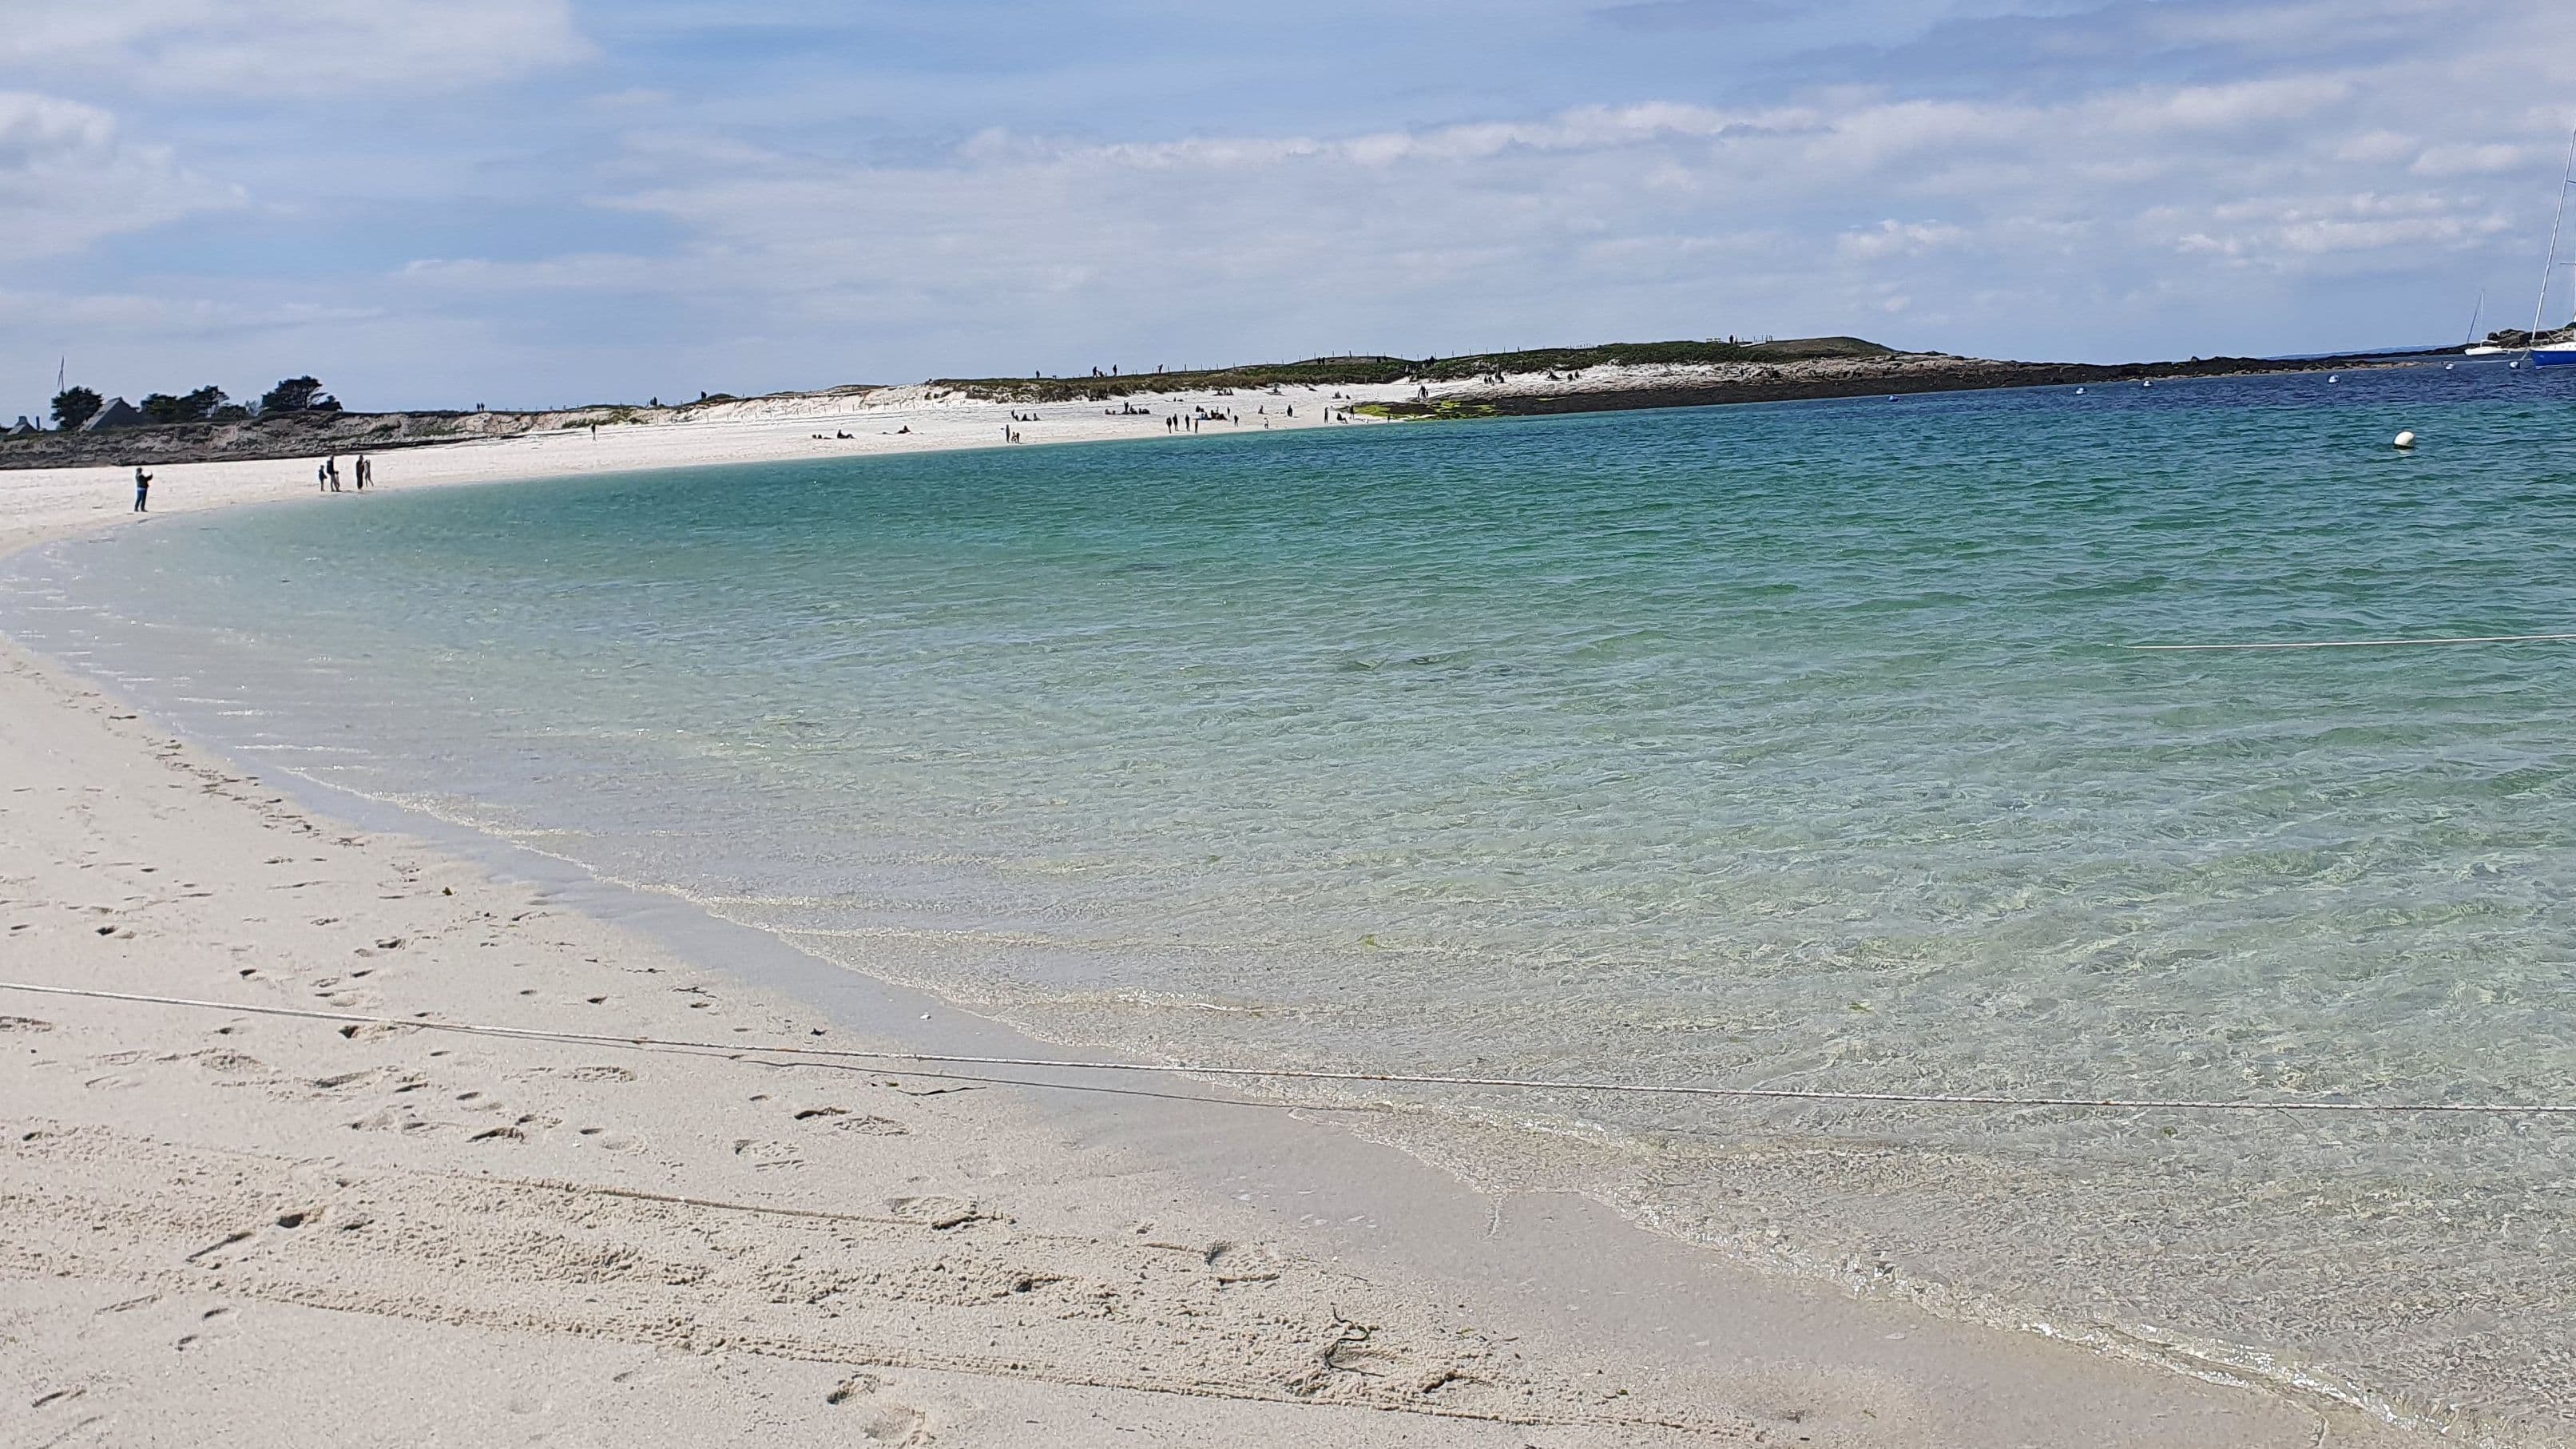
[(2243, 104), (142, 318), (815, 191), (2284, 234), (289, 49), (1008, 214), (2474, 159), (68, 177), (585, 272), (1693, 215), (1899, 238)]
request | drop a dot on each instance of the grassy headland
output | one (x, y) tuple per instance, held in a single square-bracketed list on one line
[(1605, 378), (1371, 371)]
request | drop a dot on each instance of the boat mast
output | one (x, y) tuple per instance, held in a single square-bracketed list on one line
[(2540, 307)]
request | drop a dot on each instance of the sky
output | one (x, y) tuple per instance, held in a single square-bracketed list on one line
[(440, 203)]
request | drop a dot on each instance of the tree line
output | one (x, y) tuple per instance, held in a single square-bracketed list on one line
[(74, 406)]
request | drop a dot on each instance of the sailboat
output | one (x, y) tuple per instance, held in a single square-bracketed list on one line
[(2556, 354), (2475, 348)]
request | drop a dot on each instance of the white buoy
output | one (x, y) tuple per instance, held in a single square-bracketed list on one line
[(2079, 392), (2334, 377), (2406, 439)]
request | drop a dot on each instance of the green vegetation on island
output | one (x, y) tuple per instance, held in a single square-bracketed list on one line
[(1375, 370)]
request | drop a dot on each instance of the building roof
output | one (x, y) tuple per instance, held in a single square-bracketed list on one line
[(117, 414)]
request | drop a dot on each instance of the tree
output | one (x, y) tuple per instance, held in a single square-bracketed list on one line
[(74, 406), (193, 407), (298, 395), (229, 413)]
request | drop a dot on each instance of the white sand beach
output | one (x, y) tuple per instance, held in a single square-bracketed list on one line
[(913, 419), (225, 1227)]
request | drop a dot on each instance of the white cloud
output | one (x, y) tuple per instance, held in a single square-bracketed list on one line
[(1009, 215), (68, 177), (2164, 111), (2376, 148), (141, 318), (2474, 159), (1899, 238), (2285, 234), (1984, 189), (274, 49)]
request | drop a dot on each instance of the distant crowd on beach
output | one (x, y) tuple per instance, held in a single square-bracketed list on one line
[(329, 478)]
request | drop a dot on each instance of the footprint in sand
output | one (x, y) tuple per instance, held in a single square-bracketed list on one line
[(213, 1327), (520, 1129), (845, 1120), (398, 1119), (366, 1077), (936, 1211), (230, 1063), (587, 1074), (764, 1156), (878, 1419)]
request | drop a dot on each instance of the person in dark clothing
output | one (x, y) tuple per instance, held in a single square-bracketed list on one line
[(142, 490)]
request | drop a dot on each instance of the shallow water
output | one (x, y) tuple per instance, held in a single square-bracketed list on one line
[(1785, 745)]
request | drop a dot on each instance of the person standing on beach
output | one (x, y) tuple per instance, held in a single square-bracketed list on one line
[(322, 477), (331, 470), (142, 490), (359, 468)]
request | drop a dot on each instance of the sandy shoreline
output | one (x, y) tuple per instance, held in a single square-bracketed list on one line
[(892, 421), (241, 1228)]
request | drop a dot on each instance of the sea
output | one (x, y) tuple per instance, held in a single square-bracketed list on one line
[(1795, 746)]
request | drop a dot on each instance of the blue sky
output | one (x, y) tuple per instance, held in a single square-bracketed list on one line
[(529, 202)]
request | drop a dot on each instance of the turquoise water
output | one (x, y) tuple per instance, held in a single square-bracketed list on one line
[(1782, 746)]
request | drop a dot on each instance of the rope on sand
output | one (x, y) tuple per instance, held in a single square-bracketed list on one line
[(2350, 643), (1535, 1084)]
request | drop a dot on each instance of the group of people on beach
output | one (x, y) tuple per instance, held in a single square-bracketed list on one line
[(325, 478), (326, 475)]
